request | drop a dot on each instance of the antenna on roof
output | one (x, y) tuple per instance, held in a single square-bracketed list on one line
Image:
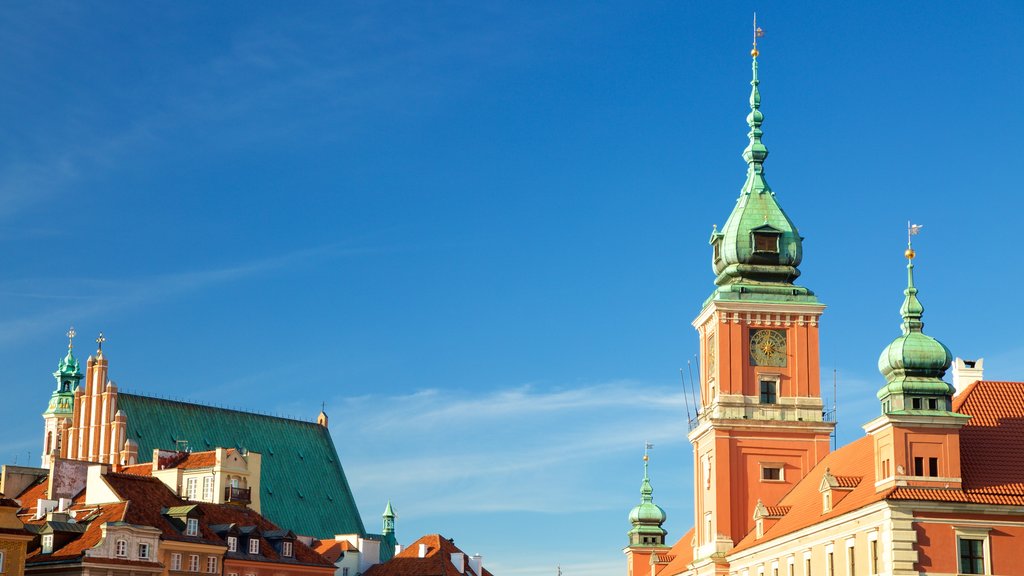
[(835, 408), (693, 390), (686, 401)]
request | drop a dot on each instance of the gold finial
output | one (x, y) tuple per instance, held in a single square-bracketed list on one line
[(758, 33), (99, 343), (71, 337), (912, 230)]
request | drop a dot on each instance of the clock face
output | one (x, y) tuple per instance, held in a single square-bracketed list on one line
[(768, 347)]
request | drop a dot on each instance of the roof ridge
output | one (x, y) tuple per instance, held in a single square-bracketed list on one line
[(212, 407)]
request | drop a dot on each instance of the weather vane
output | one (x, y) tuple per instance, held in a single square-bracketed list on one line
[(912, 230), (71, 338), (647, 446), (758, 33)]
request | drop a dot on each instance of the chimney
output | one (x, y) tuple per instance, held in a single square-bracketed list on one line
[(63, 504), (965, 373), (423, 550), (57, 517), (476, 562), (459, 561)]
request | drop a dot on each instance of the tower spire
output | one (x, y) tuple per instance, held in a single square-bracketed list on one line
[(755, 152), (647, 518)]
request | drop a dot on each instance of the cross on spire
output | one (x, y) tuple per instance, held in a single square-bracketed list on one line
[(71, 337), (99, 343)]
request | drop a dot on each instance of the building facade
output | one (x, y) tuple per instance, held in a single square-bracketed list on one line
[(936, 485)]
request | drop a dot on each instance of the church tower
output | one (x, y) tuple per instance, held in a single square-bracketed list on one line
[(59, 412), (917, 437), (761, 425), (646, 537)]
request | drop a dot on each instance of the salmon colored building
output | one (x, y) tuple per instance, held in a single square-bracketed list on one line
[(936, 485)]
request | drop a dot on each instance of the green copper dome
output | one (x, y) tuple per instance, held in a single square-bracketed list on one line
[(62, 401), (914, 363), (647, 517), (756, 253)]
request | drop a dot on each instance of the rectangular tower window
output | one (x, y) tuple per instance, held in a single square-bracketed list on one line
[(933, 467), (918, 466), (768, 392), (766, 243), (771, 472), (972, 556)]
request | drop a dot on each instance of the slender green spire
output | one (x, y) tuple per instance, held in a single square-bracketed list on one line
[(757, 252), (389, 519), (67, 376), (755, 152), (914, 363), (647, 517)]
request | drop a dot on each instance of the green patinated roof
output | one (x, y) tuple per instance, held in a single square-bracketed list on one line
[(62, 400), (914, 363), (647, 517), (302, 485), (744, 273)]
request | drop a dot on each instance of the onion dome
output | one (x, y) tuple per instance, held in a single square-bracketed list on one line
[(647, 517), (756, 253), (67, 375), (914, 363)]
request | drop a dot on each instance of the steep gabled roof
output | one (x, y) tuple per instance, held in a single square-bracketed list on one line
[(91, 536), (302, 484), (992, 454), (991, 462), (681, 553), (436, 562)]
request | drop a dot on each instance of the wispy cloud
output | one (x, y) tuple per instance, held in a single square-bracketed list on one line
[(84, 298), (527, 448)]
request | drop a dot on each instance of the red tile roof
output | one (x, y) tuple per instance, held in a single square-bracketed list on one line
[(680, 555), (436, 562), (334, 549), (991, 458), (91, 537)]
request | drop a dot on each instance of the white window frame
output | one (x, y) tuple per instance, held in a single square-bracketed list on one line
[(975, 533), (193, 562), (807, 563), (121, 548), (873, 553), (208, 488), (791, 566), (830, 560), (774, 466), (851, 559), (211, 564), (191, 488), (143, 550), (233, 545), (287, 549), (254, 545), (176, 561), (192, 527)]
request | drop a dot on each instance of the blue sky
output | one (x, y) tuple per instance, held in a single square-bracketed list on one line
[(478, 230)]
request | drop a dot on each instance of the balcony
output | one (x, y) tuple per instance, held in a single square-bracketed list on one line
[(237, 495)]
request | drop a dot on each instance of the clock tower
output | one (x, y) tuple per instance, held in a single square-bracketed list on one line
[(761, 425)]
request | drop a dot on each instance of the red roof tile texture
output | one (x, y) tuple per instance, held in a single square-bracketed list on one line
[(992, 464), (992, 455), (680, 555), (436, 562), (91, 537)]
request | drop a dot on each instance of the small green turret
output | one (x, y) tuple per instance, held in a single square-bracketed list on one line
[(647, 518), (62, 401), (914, 363), (756, 253)]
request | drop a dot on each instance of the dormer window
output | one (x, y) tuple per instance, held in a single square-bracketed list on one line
[(254, 545), (716, 251), (766, 242), (47, 543), (144, 551), (826, 501), (232, 543), (121, 548), (286, 549), (192, 527)]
